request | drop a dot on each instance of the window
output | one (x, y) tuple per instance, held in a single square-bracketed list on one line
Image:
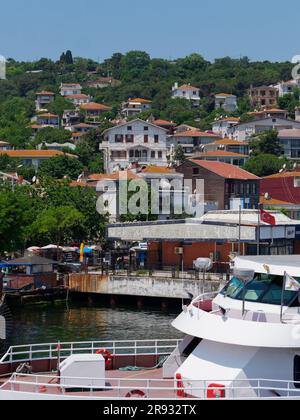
[(129, 138), (297, 371), (196, 171), (156, 138), (119, 138), (153, 155), (129, 128), (146, 138), (159, 155), (146, 128), (264, 288)]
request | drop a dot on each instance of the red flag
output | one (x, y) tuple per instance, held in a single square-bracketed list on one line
[(267, 218)]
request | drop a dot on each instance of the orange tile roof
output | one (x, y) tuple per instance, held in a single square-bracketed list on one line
[(79, 184), (188, 87), (220, 153), (230, 119), (291, 174), (36, 126), (47, 115), (95, 106), (225, 170), (273, 202), (77, 134), (164, 122), (195, 133), (229, 142), (44, 92), (78, 96), (113, 177), (158, 170), (34, 153), (224, 94), (145, 101)]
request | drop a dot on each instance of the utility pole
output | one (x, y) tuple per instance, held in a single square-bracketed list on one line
[(258, 230)]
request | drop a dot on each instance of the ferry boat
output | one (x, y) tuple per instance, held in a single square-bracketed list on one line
[(242, 342)]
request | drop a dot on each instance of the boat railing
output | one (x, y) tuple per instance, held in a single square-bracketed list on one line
[(151, 388), (30, 352)]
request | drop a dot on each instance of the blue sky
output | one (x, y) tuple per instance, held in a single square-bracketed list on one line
[(260, 29)]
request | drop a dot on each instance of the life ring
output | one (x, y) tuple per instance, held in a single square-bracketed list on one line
[(137, 393), (107, 356)]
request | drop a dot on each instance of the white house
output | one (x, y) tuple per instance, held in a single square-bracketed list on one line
[(188, 92), (135, 141), (67, 89), (226, 101), (225, 127), (245, 130), (79, 99), (284, 88)]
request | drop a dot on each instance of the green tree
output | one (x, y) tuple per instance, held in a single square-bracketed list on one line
[(59, 105), (179, 155), (56, 224), (60, 167), (264, 164), (51, 135), (266, 143), (16, 213)]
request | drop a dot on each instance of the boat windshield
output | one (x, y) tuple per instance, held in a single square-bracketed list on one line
[(264, 288)]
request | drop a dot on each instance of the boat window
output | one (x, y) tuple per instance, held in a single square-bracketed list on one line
[(264, 288), (297, 372), (233, 288)]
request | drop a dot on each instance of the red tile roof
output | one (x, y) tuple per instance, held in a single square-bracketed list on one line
[(291, 174), (78, 96), (158, 170), (195, 133), (217, 153), (113, 177), (188, 87), (47, 115), (45, 93), (229, 142), (164, 122), (95, 106), (34, 153), (141, 100), (225, 170)]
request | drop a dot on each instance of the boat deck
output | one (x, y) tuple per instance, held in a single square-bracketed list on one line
[(119, 384)]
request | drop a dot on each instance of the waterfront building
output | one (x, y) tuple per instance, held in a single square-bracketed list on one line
[(224, 184), (34, 157)]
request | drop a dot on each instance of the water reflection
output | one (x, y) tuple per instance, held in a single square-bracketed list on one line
[(52, 323)]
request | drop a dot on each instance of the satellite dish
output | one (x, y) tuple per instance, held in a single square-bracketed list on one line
[(281, 170), (34, 179), (267, 196), (295, 166), (203, 264)]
